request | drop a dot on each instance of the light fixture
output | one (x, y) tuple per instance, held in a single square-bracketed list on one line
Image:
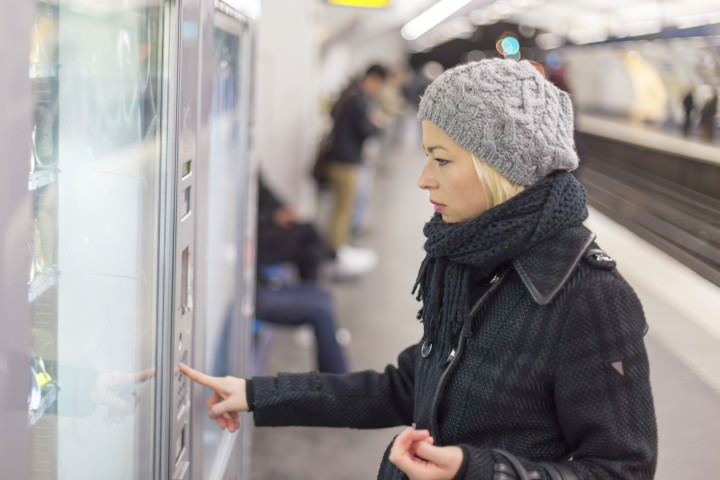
[(360, 3), (431, 17), (508, 45)]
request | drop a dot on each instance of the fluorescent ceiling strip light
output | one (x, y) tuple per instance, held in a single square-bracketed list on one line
[(428, 19), (360, 3)]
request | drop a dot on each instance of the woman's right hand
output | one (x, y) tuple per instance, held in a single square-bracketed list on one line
[(227, 399), (414, 452)]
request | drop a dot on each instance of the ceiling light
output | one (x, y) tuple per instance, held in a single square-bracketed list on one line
[(360, 3), (507, 45), (430, 18)]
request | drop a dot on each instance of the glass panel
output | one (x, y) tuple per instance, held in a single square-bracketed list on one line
[(94, 172), (224, 193)]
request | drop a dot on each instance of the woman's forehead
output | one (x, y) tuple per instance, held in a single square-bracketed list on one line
[(435, 137)]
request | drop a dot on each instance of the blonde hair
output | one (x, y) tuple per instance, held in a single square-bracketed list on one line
[(497, 188)]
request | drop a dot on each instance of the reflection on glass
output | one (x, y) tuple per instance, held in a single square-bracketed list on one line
[(94, 172), (223, 218)]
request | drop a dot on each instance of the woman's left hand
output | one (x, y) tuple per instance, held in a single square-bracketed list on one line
[(413, 452)]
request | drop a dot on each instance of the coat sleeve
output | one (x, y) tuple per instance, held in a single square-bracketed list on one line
[(602, 392), (602, 384), (365, 399)]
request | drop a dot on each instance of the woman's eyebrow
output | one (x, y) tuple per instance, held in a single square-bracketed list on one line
[(436, 147)]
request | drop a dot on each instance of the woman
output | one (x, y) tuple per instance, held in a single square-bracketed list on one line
[(532, 362)]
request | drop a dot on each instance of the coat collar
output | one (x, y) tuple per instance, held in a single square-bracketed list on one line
[(546, 267)]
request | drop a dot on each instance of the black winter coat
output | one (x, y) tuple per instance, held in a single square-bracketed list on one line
[(550, 366), (351, 126)]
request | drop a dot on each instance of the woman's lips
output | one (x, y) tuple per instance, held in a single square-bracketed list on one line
[(439, 207)]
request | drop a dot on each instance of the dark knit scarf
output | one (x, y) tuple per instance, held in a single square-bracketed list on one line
[(485, 244)]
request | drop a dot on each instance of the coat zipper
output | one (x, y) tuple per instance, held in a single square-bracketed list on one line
[(434, 427)]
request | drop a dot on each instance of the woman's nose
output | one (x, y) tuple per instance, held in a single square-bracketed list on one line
[(426, 181)]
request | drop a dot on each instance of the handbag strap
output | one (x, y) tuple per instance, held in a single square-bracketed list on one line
[(520, 472), (558, 471), (555, 471)]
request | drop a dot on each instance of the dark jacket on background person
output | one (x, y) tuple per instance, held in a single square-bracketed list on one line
[(271, 246), (298, 243), (707, 117), (549, 365), (267, 202), (352, 126)]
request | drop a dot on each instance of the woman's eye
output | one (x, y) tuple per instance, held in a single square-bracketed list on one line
[(442, 162)]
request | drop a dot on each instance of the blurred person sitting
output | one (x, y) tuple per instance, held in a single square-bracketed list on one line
[(352, 125), (285, 300), (306, 303), (283, 238)]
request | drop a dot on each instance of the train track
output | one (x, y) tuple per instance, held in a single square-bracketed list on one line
[(672, 216)]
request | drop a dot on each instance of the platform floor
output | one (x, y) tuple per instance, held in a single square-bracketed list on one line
[(683, 343)]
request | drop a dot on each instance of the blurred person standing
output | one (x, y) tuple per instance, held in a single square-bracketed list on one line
[(352, 125), (532, 363), (707, 116), (392, 102), (389, 106), (415, 86), (688, 107)]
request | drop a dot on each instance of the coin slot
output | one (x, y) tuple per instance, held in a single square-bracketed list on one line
[(186, 203), (186, 169), (186, 299), (180, 445)]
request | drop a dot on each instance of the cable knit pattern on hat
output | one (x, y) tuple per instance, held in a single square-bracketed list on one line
[(506, 113)]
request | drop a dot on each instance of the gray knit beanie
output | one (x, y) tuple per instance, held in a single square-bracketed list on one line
[(507, 114)]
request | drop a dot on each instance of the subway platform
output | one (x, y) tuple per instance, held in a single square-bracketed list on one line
[(682, 310)]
